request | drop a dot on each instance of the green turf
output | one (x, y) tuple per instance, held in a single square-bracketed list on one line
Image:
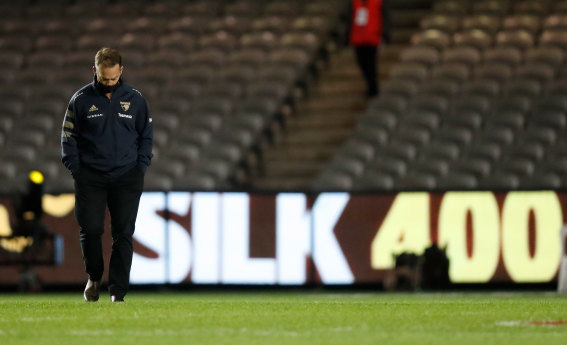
[(284, 318)]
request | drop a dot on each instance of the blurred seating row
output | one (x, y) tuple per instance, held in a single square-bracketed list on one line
[(499, 7), (462, 117), (214, 94)]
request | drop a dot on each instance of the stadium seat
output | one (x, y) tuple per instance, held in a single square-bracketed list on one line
[(411, 135), (500, 136), (177, 41), (555, 22), (422, 118), (534, 152), (436, 168), (476, 38), (552, 56), (482, 22), (416, 182), (452, 135), (446, 88), (498, 72), (443, 22), (222, 41), (429, 103), (400, 150), (477, 167), (201, 75), (523, 88), (527, 22), (361, 151), (486, 151), (347, 165), (252, 122), (387, 165), (537, 135), (194, 181), (382, 119), (555, 119), (457, 181), (468, 56), (428, 56), (512, 119), (554, 38), (471, 104), (248, 57), (500, 182), (154, 181), (282, 8), (506, 55), (487, 89), (373, 181), (192, 25), (203, 9), (57, 42), (433, 38), (489, 7), (533, 8), (271, 23), (265, 41), (539, 181), (375, 136), (520, 39), (440, 151), (294, 58), (314, 24), (560, 7), (333, 181), (414, 72), (243, 8), (539, 72), (455, 8), (518, 167)]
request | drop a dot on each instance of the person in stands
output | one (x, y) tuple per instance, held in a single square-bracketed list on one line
[(369, 28)]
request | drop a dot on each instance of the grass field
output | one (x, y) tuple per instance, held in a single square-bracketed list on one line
[(285, 318)]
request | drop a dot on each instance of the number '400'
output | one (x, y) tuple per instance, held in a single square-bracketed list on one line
[(498, 235)]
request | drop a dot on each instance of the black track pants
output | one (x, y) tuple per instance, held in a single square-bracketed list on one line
[(367, 62), (93, 193)]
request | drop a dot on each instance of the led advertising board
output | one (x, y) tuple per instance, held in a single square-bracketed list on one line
[(330, 238)]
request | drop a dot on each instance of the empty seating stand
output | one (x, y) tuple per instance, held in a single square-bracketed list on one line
[(478, 101), (216, 73)]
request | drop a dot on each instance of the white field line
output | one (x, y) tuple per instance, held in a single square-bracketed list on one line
[(215, 331)]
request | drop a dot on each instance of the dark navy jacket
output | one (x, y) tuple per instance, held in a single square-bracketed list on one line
[(111, 136)]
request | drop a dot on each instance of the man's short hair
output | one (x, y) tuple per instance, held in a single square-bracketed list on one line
[(108, 57)]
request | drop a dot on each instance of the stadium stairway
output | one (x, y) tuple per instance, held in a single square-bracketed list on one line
[(326, 118)]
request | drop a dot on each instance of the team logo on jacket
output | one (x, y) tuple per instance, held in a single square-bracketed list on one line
[(125, 105), (93, 108)]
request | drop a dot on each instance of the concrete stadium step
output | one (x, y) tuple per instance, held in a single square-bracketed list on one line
[(333, 136), (318, 120), (349, 71), (321, 104), (340, 88)]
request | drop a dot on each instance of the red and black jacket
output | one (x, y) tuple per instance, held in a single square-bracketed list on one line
[(369, 23)]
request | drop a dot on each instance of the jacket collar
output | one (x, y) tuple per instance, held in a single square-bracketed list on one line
[(98, 92)]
